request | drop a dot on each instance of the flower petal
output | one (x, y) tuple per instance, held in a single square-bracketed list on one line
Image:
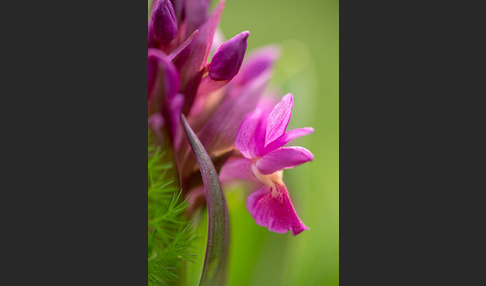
[(163, 79), (283, 158), (218, 40), (287, 137), (279, 118), (259, 63), (150, 35), (236, 169), (206, 87), (271, 208), (196, 12), (218, 131), (250, 138), (175, 113), (182, 46)]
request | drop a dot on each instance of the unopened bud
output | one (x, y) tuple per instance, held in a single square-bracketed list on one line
[(227, 61), (164, 22)]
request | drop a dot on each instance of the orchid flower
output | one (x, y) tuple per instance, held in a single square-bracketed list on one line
[(215, 97), (212, 115), (260, 139)]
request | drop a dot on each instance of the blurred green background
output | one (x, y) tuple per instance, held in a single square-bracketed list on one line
[(308, 32)]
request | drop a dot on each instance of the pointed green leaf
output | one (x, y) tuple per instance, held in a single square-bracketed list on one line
[(214, 270)]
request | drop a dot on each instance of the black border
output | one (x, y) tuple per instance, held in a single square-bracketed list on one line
[(74, 123), (74, 187), (408, 126)]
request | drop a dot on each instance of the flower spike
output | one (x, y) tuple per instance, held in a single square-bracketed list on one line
[(242, 132), (217, 123)]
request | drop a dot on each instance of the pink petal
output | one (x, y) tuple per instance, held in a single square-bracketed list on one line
[(287, 137), (250, 138), (180, 48), (178, 8), (218, 40), (150, 34), (195, 14), (279, 118), (236, 169), (259, 63), (283, 158), (271, 208), (207, 101), (219, 132), (207, 86), (162, 71)]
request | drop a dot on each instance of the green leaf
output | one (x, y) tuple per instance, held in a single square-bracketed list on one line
[(214, 269)]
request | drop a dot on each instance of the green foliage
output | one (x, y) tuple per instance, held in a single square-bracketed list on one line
[(215, 262), (170, 234)]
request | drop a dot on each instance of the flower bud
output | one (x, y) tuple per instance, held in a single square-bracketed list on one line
[(227, 61), (164, 22)]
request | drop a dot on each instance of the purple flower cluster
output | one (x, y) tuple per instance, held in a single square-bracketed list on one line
[(242, 130)]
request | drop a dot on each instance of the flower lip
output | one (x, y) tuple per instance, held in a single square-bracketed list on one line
[(271, 208), (164, 22), (227, 61)]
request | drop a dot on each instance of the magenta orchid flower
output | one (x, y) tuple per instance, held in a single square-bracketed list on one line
[(215, 96), (260, 140), (210, 114)]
